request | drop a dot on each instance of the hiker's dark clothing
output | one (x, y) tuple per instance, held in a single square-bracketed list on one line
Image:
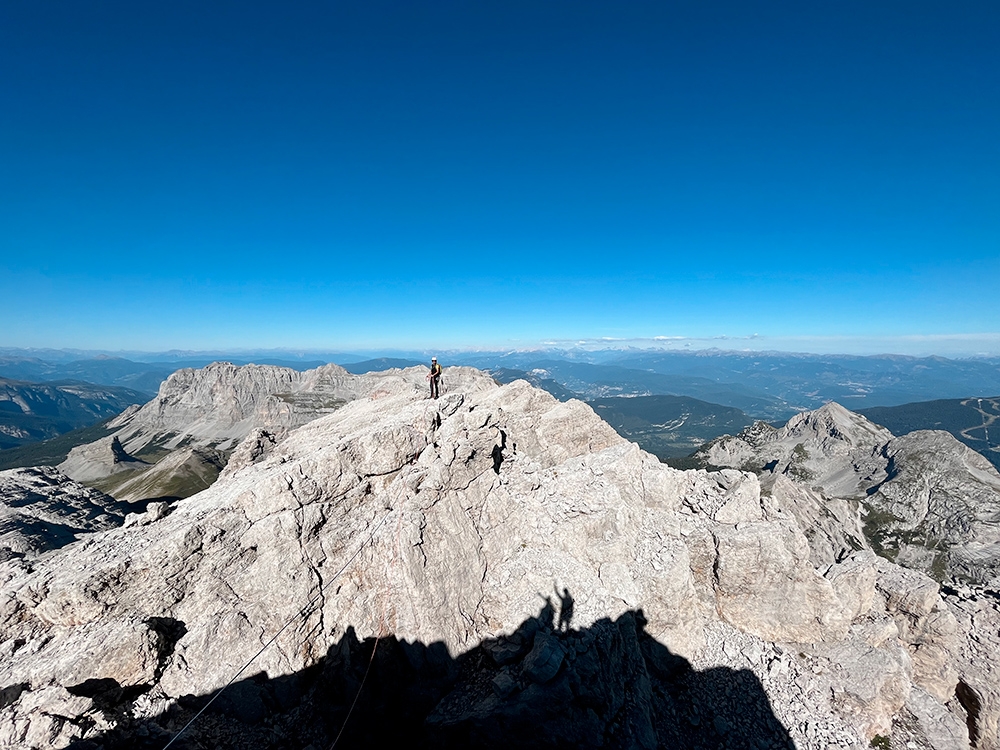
[(435, 379)]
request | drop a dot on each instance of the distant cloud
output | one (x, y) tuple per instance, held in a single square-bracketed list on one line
[(944, 344)]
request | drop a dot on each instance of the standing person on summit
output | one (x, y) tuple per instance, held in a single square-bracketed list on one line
[(435, 377)]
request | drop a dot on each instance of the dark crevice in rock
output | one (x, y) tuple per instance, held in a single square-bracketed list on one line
[(972, 704), (11, 693), (108, 695), (168, 631), (497, 453)]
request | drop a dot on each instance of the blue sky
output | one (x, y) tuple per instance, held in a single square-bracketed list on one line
[(390, 174)]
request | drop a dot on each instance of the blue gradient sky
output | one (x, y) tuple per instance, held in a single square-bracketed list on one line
[(451, 174)]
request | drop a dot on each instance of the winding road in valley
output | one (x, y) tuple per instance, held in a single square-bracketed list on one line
[(988, 418)]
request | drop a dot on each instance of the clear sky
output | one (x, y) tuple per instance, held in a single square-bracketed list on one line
[(374, 174)]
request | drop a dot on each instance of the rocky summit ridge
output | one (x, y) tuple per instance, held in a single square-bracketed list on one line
[(200, 415), (510, 570)]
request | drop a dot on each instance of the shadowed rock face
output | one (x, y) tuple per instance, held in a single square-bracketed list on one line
[(442, 522), (609, 685)]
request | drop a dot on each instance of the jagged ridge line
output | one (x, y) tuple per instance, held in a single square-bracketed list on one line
[(294, 617)]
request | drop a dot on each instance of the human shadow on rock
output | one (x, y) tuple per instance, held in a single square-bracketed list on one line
[(610, 685)]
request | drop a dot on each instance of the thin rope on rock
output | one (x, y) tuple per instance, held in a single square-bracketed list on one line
[(301, 612), (381, 632)]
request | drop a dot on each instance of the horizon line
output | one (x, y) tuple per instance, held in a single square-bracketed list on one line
[(950, 346)]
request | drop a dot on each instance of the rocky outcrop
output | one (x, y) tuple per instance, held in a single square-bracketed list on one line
[(924, 499), (822, 448), (833, 526), (41, 509), (977, 695), (939, 508), (447, 525), (214, 407)]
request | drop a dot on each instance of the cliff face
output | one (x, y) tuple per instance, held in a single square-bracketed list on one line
[(449, 526), (215, 407)]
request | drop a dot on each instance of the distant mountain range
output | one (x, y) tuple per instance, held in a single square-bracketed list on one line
[(54, 450), (772, 386), (605, 381), (139, 376), (504, 375), (766, 385), (809, 380), (30, 412), (380, 364), (672, 426)]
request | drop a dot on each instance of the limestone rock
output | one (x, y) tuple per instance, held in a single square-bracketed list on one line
[(821, 448), (854, 583), (523, 564), (924, 499), (940, 506), (42, 509), (978, 690), (935, 727), (873, 683), (925, 624), (200, 416), (766, 585), (832, 525)]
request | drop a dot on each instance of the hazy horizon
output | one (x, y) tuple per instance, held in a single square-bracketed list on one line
[(917, 347)]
